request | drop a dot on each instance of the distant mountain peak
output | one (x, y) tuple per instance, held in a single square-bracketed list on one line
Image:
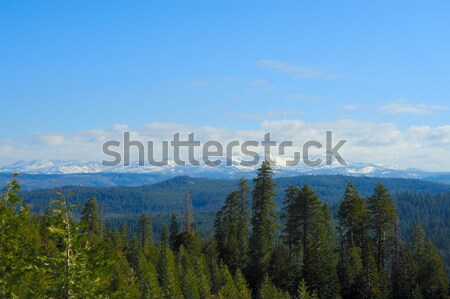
[(223, 171)]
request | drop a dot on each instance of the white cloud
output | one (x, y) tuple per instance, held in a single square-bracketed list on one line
[(299, 72), (404, 107), (423, 147)]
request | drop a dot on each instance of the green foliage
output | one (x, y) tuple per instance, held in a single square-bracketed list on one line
[(67, 252), (382, 220), (174, 229), (90, 218), (269, 291), (145, 231), (231, 228), (263, 225), (429, 271), (228, 288), (167, 271), (353, 218), (242, 288), (304, 293)]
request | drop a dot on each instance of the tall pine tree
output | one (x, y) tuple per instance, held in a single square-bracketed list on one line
[(263, 226)]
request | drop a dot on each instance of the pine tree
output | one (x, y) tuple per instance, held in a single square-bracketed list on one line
[(229, 247), (242, 225), (403, 277), (124, 283), (231, 228), (308, 228), (187, 275), (228, 288), (204, 276), (350, 272), (145, 231), (269, 291), (90, 218), (382, 219), (430, 274), (285, 267), (148, 278), (303, 292), (167, 273), (307, 213), (174, 230), (263, 224), (353, 227), (320, 260), (353, 218), (164, 238), (21, 274), (290, 216), (243, 290), (79, 265)]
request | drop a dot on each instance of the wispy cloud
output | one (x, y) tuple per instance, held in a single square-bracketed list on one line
[(260, 85), (404, 107), (299, 72)]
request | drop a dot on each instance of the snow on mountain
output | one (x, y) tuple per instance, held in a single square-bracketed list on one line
[(279, 168)]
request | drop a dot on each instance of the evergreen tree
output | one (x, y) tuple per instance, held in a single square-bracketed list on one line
[(124, 283), (229, 247), (90, 218), (167, 273), (204, 276), (148, 278), (353, 218), (242, 225), (54, 255), (303, 292), (269, 291), (320, 260), (231, 228), (80, 266), (382, 219), (307, 214), (20, 255), (290, 216), (145, 231), (228, 287), (174, 230), (353, 227), (263, 224), (164, 238), (430, 274), (187, 275), (285, 268), (243, 290)]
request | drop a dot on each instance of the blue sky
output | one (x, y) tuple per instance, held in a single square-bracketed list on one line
[(76, 66)]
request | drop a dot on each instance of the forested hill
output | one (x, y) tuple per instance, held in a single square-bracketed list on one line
[(415, 200), (208, 194), (294, 248)]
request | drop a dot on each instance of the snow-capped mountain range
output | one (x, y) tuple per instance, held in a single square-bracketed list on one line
[(79, 167)]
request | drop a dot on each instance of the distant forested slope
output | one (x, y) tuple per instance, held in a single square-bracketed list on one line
[(415, 200)]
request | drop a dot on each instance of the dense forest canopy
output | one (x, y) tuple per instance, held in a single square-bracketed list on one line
[(415, 200), (270, 239)]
